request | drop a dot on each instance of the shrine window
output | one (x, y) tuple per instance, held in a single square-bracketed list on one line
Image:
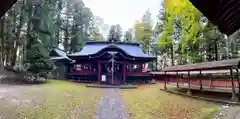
[(134, 68), (78, 67), (137, 68), (85, 67)]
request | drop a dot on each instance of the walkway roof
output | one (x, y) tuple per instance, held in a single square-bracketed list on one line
[(5, 6), (222, 71), (223, 64), (224, 13)]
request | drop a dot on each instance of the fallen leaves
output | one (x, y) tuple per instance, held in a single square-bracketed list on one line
[(61, 100), (151, 103)]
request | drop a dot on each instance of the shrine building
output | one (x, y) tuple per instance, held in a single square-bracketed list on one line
[(106, 63)]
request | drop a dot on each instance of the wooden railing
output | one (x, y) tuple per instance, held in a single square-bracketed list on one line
[(83, 73), (221, 83), (138, 74)]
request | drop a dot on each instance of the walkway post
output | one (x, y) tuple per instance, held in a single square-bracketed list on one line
[(210, 80), (237, 71), (165, 81), (201, 87), (189, 88), (177, 80), (233, 87)]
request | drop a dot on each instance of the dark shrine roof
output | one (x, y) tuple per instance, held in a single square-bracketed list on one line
[(93, 48), (5, 6), (223, 64), (58, 54), (224, 13)]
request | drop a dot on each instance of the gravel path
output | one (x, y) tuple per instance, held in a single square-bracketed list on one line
[(232, 113), (112, 106), (19, 95)]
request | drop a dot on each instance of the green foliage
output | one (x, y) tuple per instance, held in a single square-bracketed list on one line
[(165, 41), (183, 34), (32, 28), (82, 18), (186, 36), (37, 58), (115, 33), (21, 67), (143, 31), (96, 35), (128, 36)]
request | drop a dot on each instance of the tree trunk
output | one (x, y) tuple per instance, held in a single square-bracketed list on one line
[(13, 41), (59, 21), (8, 52), (14, 57), (58, 30), (171, 50), (73, 39), (29, 28), (216, 50), (66, 38), (2, 39)]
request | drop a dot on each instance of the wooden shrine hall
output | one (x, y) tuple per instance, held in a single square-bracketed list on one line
[(106, 62)]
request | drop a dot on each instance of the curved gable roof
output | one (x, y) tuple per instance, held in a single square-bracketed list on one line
[(60, 54), (131, 49)]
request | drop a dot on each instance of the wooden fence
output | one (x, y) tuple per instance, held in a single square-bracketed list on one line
[(212, 83)]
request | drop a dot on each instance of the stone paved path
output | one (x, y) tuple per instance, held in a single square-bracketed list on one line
[(232, 113), (112, 106)]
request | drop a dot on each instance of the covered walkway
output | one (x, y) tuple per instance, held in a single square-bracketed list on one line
[(205, 76)]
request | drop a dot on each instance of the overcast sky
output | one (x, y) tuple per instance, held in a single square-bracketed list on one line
[(123, 12)]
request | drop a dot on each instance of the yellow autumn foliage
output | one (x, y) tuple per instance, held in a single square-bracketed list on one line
[(174, 5)]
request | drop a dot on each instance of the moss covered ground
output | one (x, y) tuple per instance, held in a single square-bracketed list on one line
[(67, 100), (149, 102), (58, 100)]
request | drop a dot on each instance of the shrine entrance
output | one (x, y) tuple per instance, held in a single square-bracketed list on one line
[(113, 75)]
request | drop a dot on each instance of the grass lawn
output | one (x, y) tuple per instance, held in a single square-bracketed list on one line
[(148, 102), (57, 100)]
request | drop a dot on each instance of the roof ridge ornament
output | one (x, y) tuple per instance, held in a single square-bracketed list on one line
[(112, 40)]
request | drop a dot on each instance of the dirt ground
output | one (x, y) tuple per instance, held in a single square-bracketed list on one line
[(57, 99), (20, 94)]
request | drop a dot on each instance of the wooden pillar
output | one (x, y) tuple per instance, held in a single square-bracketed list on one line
[(130, 67), (237, 72), (124, 72), (210, 80), (99, 72), (201, 87), (143, 67), (234, 98), (177, 80), (165, 81), (189, 87)]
